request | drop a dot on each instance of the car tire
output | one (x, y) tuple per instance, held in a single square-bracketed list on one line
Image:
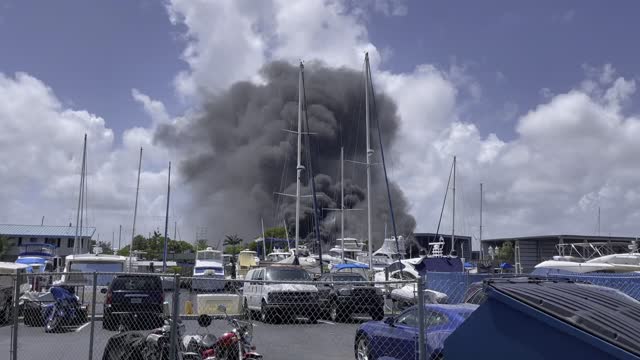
[(247, 312), (266, 316), (335, 313), (377, 314), (362, 348)]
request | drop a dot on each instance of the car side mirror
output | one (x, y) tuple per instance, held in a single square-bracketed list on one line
[(389, 321), (103, 291)]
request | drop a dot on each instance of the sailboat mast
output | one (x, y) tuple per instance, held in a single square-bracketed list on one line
[(453, 220), (299, 166), (135, 209), (166, 223), (342, 200), (369, 153), (481, 252), (80, 195), (598, 220), (286, 232), (264, 240)]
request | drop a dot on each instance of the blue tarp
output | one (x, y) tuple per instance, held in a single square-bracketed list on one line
[(506, 266), (350, 266), (29, 261), (439, 264)]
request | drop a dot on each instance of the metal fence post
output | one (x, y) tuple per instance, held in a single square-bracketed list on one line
[(93, 314), (422, 351), (175, 316), (14, 330)]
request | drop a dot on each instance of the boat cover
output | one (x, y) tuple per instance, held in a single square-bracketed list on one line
[(549, 319), (350, 266), (439, 264)]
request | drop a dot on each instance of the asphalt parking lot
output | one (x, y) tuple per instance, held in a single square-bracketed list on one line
[(324, 340)]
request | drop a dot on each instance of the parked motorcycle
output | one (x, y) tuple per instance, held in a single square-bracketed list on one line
[(133, 345), (64, 311), (232, 345)]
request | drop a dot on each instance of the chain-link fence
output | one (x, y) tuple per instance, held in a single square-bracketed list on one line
[(275, 313)]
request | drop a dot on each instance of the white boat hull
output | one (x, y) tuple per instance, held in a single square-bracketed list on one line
[(575, 266), (208, 283)]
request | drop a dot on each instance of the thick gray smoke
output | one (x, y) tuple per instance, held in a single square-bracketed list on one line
[(238, 155)]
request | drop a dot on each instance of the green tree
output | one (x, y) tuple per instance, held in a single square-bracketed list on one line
[(276, 232), (124, 251), (232, 240), (201, 244), (105, 247), (253, 246), (505, 253), (233, 249), (153, 247)]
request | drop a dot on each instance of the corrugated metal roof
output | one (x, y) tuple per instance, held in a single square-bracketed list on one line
[(44, 230), (589, 238)]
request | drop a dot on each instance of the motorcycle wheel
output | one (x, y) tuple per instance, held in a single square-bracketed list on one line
[(52, 325)]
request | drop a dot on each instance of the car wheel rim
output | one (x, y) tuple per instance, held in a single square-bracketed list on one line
[(362, 350)]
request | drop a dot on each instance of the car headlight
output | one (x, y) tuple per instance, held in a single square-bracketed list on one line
[(344, 292)]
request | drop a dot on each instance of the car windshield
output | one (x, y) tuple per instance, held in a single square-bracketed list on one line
[(209, 255), (136, 283), (203, 269), (85, 272), (288, 274), (350, 278)]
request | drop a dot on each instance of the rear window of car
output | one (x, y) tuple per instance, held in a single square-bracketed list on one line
[(350, 278), (141, 283)]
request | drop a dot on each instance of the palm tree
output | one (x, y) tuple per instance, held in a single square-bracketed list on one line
[(201, 245), (232, 240)]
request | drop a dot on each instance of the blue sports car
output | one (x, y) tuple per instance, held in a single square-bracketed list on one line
[(396, 337)]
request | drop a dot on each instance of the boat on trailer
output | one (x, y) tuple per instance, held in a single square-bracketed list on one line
[(208, 272)]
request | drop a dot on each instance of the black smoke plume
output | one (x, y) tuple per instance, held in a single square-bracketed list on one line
[(237, 155)]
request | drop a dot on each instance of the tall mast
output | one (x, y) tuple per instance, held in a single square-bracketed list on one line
[(264, 241), (453, 221), (119, 237), (166, 223), (299, 166), (135, 209), (286, 233), (369, 153), (342, 199), (598, 220), (80, 195), (481, 255)]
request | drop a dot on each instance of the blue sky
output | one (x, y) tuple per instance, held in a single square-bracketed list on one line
[(92, 53), (520, 91)]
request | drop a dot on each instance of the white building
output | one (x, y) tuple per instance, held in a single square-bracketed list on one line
[(63, 237)]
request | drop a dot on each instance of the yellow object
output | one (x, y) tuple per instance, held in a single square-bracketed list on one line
[(247, 258), (188, 307)]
